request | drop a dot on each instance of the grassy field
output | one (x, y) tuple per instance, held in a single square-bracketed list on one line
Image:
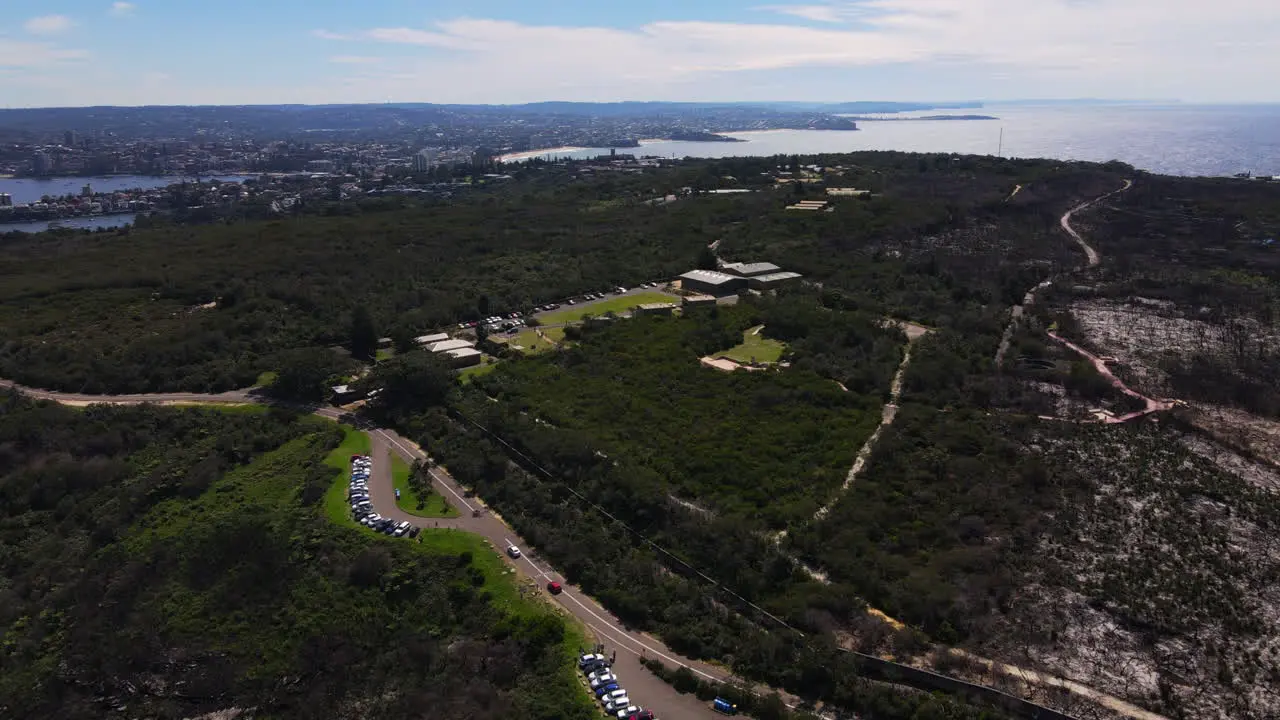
[(266, 378), (384, 354), (435, 505), (755, 347), (531, 342), (470, 373), (576, 313), (335, 500)]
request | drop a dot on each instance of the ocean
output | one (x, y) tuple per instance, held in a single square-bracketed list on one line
[(1167, 139)]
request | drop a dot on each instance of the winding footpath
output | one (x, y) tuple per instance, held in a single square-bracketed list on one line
[(1092, 259)]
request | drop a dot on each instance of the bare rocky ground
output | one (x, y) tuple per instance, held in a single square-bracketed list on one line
[(1163, 585)]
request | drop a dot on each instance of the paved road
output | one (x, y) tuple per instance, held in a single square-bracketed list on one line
[(645, 689)]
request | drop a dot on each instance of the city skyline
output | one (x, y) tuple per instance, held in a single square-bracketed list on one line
[(91, 52)]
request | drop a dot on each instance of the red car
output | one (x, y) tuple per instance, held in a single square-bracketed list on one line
[(554, 588)]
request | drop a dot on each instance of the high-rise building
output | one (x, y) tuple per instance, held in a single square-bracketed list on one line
[(6, 200), (71, 139), (424, 160), (41, 164)]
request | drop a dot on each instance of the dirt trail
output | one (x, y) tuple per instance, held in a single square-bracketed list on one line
[(1090, 254), (1092, 258), (887, 415), (1101, 366)]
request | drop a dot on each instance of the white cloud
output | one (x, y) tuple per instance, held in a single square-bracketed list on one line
[(47, 24), (879, 49), (121, 9), (816, 13), (27, 55), (1117, 48), (355, 60)]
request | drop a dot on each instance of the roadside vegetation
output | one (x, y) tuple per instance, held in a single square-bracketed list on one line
[(182, 548), (417, 496)]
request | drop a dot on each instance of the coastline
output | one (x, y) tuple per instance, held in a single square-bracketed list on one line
[(529, 154)]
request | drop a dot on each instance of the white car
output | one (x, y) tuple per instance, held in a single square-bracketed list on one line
[(617, 703), (603, 678), (513, 551), (628, 711), (613, 695)]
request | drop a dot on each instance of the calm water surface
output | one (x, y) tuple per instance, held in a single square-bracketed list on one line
[(29, 190), (1174, 140)]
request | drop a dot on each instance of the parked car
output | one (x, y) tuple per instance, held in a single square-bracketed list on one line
[(642, 715), (611, 695), (617, 703), (554, 588), (603, 678), (626, 712), (605, 691), (513, 552), (589, 659)]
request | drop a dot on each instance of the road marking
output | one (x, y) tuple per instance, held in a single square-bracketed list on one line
[(419, 454)]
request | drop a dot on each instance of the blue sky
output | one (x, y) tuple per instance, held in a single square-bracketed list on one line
[(87, 52)]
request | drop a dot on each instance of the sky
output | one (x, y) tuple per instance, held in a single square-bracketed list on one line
[(99, 52)]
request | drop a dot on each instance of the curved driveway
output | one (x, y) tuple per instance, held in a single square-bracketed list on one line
[(645, 688)]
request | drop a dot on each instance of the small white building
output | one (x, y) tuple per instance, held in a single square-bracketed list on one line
[(431, 339), (445, 346), (464, 357)]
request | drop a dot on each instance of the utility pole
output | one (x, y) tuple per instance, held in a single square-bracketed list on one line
[(1000, 149)]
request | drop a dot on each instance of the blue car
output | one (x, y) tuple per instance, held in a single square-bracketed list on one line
[(600, 691)]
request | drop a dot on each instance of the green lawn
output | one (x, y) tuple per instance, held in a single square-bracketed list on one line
[(384, 354), (266, 378), (435, 506), (755, 347), (619, 305), (336, 508), (532, 343), (476, 371)]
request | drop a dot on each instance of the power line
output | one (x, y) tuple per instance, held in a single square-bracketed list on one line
[(715, 583)]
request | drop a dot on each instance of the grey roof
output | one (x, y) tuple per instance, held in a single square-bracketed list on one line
[(463, 352), (710, 277), (752, 269), (434, 338), (777, 277), (448, 345)]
